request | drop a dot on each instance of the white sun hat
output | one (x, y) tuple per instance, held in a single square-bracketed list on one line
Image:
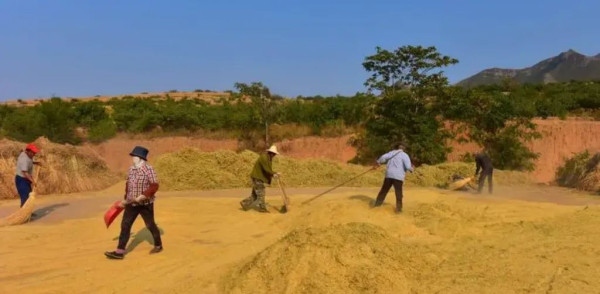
[(273, 149)]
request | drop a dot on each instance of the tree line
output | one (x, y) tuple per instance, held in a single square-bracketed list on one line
[(408, 99)]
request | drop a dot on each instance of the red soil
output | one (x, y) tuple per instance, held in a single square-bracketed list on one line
[(561, 139)]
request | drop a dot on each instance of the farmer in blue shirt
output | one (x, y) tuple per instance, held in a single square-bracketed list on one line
[(398, 163)]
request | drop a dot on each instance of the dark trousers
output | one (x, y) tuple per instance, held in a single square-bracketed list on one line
[(486, 174), (130, 214), (385, 188), (23, 188)]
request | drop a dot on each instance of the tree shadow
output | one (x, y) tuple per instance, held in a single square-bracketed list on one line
[(139, 237), (44, 211)]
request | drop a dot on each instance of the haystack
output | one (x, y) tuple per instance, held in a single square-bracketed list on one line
[(582, 171), (66, 169), (191, 169), (348, 258)]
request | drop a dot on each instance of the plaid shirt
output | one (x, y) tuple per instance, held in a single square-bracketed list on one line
[(138, 181)]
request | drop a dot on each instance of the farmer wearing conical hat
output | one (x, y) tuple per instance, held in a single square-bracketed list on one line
[(24, 179), (141, 185), (261, 173)]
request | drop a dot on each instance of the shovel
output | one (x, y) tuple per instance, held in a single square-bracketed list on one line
[(112, 213)]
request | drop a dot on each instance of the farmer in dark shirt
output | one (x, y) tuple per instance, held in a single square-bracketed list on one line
[(483, 162)]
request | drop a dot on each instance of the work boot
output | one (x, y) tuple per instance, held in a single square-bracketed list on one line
[(262, 208), (114, 255), (243, 205), (398, 208), (156, 249)]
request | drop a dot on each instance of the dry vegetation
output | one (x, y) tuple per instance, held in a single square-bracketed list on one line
[(65, 169), (211, 97)]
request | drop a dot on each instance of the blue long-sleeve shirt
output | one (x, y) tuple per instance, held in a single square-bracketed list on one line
[(398, 163)]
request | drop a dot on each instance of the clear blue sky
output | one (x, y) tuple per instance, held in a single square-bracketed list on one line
[(308, 47)]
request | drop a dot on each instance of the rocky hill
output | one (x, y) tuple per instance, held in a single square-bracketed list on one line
[(567, 66)]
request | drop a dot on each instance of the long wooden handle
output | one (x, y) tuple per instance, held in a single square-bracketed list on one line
[(37, 175), (339, 185), (281, 185)]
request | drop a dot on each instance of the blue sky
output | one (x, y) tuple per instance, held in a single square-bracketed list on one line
[(85, 48)]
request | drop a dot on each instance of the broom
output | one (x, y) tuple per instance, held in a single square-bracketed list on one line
[(459, 184), (22, 215)]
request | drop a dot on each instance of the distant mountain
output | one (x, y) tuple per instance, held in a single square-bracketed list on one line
[(567, 66)]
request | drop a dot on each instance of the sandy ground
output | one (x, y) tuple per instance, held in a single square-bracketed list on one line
[(533, 239)]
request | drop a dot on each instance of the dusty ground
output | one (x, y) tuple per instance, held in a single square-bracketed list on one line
[(460, 243)]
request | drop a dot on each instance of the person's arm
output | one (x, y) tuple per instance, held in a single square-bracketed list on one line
[(152, 188), (124, 201), (477, 165), (384, 158), (28, 177), (407, 164)]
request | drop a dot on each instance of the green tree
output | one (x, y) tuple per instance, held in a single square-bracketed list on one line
[(58, 121), (497, 121), (413, 67), (25, 124), (411, 83), (261, 102), (87, 114)]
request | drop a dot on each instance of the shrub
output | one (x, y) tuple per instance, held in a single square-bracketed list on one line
[(102, 130)]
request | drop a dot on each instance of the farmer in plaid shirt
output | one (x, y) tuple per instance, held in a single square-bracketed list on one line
[(140, 188)]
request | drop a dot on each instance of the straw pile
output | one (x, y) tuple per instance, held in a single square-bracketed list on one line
[(348, 258), (582, 171), (191, 169), (66, 169)]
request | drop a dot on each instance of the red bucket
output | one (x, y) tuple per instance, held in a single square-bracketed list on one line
[(112, 213)]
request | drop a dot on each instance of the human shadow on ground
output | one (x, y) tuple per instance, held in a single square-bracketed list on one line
[(139, 237), (44, 211), (370, 201)]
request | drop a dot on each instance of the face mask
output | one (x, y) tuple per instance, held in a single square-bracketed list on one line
[(137, 162)]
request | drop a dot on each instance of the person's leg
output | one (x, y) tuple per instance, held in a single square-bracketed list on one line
[(129, 215), (147, 213), (247, 202), (23, 188), (385, 188), (481, 182), (259, 191), (398, 190)]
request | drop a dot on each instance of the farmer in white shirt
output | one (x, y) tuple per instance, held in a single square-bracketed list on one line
[(398, 163), (24, 178)]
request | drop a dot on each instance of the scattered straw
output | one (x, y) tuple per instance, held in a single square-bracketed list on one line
[(349, 258), (191, 169)]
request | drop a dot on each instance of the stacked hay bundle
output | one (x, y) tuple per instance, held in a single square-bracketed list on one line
[(66, 169)]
